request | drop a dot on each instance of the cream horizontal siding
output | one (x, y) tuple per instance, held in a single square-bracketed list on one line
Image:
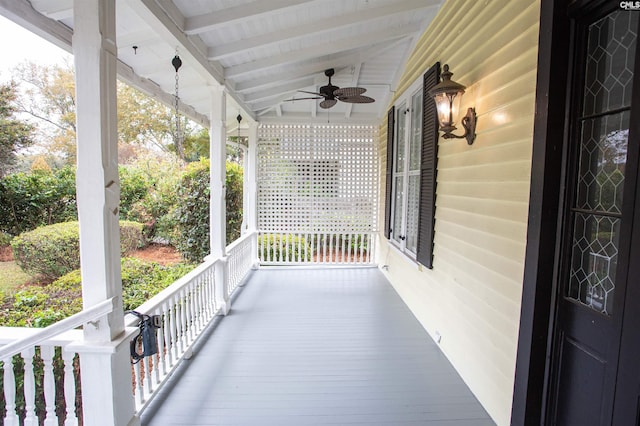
[(472, 295)]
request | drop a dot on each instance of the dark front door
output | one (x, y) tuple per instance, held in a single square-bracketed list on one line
[(591, 330)]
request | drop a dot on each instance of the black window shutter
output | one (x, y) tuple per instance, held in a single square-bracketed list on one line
[(428, 167), (389, 173)]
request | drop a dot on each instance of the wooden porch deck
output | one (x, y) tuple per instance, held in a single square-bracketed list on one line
[(317, 347)]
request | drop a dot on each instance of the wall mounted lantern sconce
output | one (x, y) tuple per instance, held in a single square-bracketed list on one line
[(447, 95)]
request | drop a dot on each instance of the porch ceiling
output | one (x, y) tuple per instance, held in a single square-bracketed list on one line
[(262, 51)]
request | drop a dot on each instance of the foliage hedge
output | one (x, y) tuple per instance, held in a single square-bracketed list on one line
[(5, 239), (191, 236), (54, 250), (41, 306), (30, 200), (277, 247)]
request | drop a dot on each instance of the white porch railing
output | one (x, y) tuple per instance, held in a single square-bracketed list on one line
[(288, 248), (31, 352), (186, 308)]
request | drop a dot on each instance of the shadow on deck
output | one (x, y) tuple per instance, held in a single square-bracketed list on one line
[(317, 347)]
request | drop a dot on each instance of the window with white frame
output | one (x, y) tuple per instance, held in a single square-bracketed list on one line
[(406, 170), (411, 169)]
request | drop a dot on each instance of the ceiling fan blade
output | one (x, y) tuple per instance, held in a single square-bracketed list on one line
[(349, 92), (328, 103), (311, 93), (357, 99), (301, 99)]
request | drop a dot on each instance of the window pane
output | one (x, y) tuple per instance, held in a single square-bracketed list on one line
[(416, 131), (412, 212), (400, 141), (594, 259), (610, 62), (603, 154), (398, 208)]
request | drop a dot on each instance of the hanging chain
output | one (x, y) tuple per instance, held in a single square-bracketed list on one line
[(177, 63)]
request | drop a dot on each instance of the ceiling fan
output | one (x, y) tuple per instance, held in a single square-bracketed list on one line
[(332, 94)]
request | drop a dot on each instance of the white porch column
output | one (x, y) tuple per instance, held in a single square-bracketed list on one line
[(104, 356), (251, 179), (218, 207)]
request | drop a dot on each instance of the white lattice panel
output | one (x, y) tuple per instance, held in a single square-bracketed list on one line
[(317, 178)]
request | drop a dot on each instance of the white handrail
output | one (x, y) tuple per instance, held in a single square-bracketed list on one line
[(76, 320)]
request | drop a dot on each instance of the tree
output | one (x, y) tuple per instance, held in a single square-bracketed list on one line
[(48, 95), (14, 134), (143, 120)]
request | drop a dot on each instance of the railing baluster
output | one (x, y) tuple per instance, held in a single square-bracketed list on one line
[(331, 257), (10, 418), (173, 306), (163, 347), (46, 353), (168, 334), (29, 388), (179, 320), (202, 313), (138, 376), (188, 325), (69, 389)]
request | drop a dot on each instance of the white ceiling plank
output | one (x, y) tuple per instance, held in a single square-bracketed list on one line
[(278, 90), (166, 28), (261, 8), (320, 26), (139, 38), (354, 83), (325, 49), (156, 17), (173, 12), (308, 69)]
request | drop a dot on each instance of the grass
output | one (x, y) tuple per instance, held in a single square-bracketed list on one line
[(12, 277)]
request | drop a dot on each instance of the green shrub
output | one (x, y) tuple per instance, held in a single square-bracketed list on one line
[(30, 200), (54, 250), (277, 247), (153, 209), (5, 239), (42, 306), (134, 186), (192, 212)]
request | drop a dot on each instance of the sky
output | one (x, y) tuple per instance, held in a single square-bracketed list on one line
[(21, 45)]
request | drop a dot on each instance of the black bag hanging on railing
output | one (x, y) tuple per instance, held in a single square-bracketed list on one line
[(146, 342)]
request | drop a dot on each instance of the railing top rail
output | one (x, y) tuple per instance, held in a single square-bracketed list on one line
[(240, 240), (47, 333), (12, 334), (174, 288)]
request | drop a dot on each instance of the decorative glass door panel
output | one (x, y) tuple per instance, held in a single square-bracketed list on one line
[(602, 156)]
